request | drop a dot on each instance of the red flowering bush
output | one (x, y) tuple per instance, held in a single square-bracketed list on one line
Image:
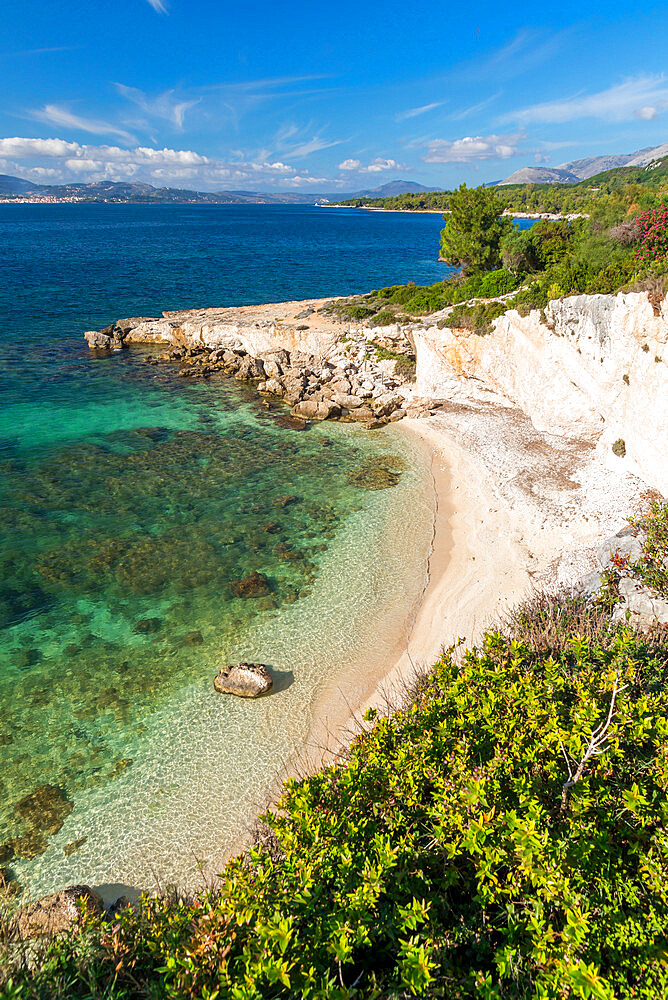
[(653, 231)]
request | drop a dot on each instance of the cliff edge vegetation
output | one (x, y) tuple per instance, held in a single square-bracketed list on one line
[(616, 249), (500, 834)]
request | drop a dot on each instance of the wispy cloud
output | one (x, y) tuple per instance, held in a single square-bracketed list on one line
[(167, 105), (297, 141), (38, 52), (53, 114), (473, 109), (642, 97), (471, 149), (403, 116), (158, 6)]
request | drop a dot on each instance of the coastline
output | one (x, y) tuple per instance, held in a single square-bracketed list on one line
[(495, 541)]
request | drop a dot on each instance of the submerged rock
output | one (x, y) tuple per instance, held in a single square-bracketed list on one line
[(246, 680), (45, 808), (193, 639), (57, 912), (254, 585), (291, 423), (145, 626)]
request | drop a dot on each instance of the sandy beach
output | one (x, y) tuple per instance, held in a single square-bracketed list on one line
[(516, 510)]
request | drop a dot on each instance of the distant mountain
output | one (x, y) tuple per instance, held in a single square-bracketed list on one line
[(14, 185), (121, 191), (541, 175), (582, 170), (390, 189)]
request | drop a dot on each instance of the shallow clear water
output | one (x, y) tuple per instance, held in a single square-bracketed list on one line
[(130, 504)]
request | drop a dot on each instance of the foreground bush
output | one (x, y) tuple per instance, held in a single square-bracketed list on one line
[(449, 856)]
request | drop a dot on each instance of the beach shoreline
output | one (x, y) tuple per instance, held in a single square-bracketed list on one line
[(494, 544)]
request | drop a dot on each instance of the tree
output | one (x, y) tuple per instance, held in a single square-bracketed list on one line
[(474, 228)]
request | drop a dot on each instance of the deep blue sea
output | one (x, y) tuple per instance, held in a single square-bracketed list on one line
[(129, 503)]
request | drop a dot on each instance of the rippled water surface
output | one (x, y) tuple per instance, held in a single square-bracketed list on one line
[(131, 503)]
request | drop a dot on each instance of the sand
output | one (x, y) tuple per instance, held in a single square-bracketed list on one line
[(516, 511)]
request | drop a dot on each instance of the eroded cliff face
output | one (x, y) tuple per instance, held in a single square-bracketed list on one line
[(594, 366)]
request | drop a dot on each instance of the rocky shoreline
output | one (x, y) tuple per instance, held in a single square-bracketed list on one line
[(323, 372)]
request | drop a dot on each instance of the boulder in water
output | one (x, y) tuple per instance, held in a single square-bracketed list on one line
[(246, 680)]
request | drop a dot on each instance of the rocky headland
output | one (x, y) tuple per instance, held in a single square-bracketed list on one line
[(588, 367)]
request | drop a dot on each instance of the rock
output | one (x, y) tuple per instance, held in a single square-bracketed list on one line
[(247, 680), (146, 626), (375, 424), (231, 359), (56, 913), (640, 601), (292, 423), (272, 369), (312, 409), (45, 808), (346, 401), (294, 386), (625, 543), (29, 845), (73, 846), (193, 639), (590, 585), (340, 385), (254, 585), (284, 501), (397, 415), (249, 369), (386, 404), (298, 360), (281, 358), (379, 473), (271, 386), (97, 340), (362, 413)]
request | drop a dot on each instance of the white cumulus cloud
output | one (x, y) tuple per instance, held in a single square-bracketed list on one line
[(375, 167), (473, 148), (59, 161)]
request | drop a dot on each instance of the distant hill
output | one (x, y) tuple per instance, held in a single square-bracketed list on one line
[(14, 185), (584, 169), (124, 192), (391, 189)]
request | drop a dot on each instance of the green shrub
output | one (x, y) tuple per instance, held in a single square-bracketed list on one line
[(448, 856), (423, 302), (533, 297), (652, 567), (383, 318), (498, 282), (479, 317), (356, 312), (405, 368)]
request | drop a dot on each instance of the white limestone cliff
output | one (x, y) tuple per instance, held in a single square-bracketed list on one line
[(593, 367)]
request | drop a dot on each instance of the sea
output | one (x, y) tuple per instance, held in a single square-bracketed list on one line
[(130, 502)]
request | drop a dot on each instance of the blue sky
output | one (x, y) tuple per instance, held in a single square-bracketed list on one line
[(274, 96)]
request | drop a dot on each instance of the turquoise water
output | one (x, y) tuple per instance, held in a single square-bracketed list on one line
[(132, 502)]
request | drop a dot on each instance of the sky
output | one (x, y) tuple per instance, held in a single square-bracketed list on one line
[(271, 96)]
